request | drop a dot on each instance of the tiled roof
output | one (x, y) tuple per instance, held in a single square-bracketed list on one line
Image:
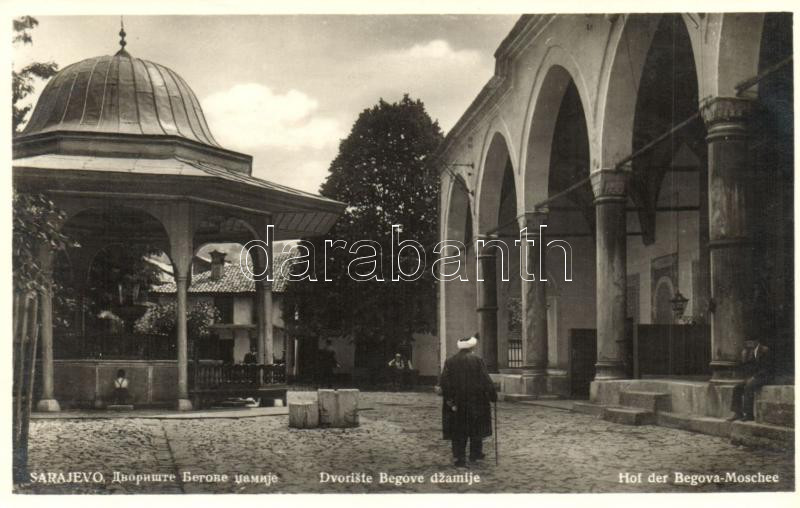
[(232, 280)]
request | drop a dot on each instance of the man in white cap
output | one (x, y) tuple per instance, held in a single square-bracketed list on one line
[(467, 392)]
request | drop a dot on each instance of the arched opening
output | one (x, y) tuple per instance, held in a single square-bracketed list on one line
[(667, 245), (497, 224), (509, 338), (460, 296), (105, 286), (557, 162), (773, 151)]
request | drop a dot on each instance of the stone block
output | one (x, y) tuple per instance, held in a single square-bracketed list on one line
[(650, 401), (120, 407), (588, 408), (700, 424), (516, 397), (303, 415), (346, 408), (338, 408), (327, 407), (628, 416), (775, 413), (762, 435)]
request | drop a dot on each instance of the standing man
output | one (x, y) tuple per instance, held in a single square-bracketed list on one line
[(467, 392), (327, 362), (757, 368)]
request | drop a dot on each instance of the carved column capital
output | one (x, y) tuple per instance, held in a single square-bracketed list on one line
[(610, 185), (533, 219), (727, 110)]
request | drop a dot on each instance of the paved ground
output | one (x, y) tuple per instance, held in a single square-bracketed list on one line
[(542, 449)]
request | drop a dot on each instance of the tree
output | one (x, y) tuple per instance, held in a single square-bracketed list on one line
[(23, 81), (161, 320), (383, 172), (35, 223)]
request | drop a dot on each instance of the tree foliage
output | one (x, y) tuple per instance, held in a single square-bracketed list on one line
[(383, 172), (23, 81), (161, 320), (36, 222)]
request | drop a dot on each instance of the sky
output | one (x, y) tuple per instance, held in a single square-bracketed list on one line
[(287, 88)]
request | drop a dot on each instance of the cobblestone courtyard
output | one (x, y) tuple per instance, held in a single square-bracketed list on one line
[(542, 449)]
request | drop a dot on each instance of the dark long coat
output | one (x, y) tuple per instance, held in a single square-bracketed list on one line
[(466, 385)]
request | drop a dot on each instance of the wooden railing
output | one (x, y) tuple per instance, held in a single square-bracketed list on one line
[(212, 376)]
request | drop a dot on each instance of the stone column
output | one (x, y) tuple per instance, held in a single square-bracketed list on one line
[(609, 187), (290, 353), (534, 305), (487, 304), (47, 402), (730, 178), (265, 338), (179, 225), (182, 289)]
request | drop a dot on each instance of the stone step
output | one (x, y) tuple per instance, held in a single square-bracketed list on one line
[(649, 401), (515, 397), (762, 435), (587, 408), (120, 407), (701, 424), (775, 413), (628, 415)]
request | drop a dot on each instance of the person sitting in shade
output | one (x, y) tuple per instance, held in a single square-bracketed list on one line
[(756, 365), (399, 368), (121, 395), (251, 357)]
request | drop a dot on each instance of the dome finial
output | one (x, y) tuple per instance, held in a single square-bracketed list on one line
[(122, 35)]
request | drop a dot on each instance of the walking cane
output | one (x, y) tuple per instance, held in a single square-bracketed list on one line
[(496, 454)]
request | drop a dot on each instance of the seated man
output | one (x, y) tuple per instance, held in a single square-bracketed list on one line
[(251, 357), (399, 371), (757, 368), (121, 395)]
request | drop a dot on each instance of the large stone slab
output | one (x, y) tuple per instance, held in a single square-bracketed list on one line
[(762, 435), (588, 408), (304, 415), (775, 413), (327, 407), (700, 424), (338, 408), (774, 405), (628, 416), (346, 408), (650, 401), (688, 397)]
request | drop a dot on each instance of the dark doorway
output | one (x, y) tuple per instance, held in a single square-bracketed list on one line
[(582, 359)]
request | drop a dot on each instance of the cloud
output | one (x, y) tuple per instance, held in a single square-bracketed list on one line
[(304, 172), (440, 50), (251, 115), (445, 78)]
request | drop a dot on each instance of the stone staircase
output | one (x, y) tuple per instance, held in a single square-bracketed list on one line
[(773, 426), (635, 408)]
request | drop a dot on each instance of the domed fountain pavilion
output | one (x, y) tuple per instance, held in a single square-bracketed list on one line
[(121, 145)]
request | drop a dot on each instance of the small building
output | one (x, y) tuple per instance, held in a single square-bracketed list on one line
[(225, 286)]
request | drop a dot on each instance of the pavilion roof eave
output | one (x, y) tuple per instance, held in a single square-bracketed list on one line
[(296, 213)]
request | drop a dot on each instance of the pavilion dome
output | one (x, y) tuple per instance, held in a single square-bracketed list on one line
[(120, 94)]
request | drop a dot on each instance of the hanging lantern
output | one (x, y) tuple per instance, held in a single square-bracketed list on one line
[(678, 304)]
